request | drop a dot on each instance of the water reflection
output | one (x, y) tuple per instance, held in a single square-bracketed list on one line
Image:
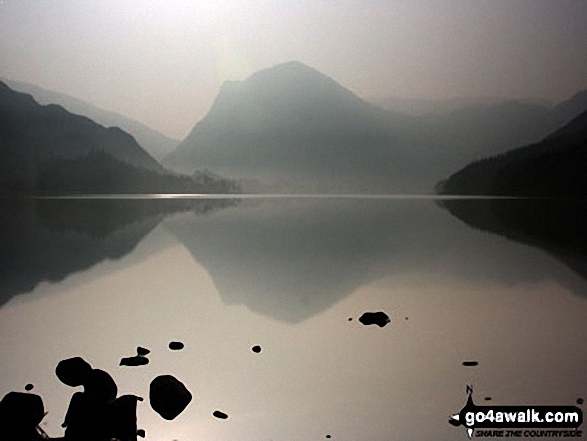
[(230, 284), (293, 259), (47, 240), (557, 226)]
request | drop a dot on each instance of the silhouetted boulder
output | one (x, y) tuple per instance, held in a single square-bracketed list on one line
[(29, 387), (73, 371), (143, 351), (123, 418), (220, 415), (100, 386), (375, 318), (168, 396), (176, 345), (137, 360), (21, 409), (87, 418), (256, 349)]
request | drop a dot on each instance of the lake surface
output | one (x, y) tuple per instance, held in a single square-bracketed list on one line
[(97, 278)]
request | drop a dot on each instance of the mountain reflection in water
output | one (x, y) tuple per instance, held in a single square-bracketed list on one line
[(264, 315)]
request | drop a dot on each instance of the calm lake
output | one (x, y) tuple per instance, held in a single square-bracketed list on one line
[(97, 278)]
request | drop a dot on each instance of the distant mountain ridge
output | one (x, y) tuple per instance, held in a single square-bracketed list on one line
[(553, 167), (292, 122), (46, 149), (156, 144), (294, 125), (422, 107), (33, 132)]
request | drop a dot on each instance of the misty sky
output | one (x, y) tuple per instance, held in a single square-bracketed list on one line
[(162, 62)]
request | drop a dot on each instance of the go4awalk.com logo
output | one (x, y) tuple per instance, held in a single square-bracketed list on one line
[(518, 421)]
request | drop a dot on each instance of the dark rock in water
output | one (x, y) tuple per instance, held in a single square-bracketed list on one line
[(20, 409), (328, 436), (29, 387), (168, 396), (143, 351), (580, 401), (470, 363), (350, 319), (176, 345), (137, 360), (100, 386), (256, 349), (141, 433), (375, 318), (123, 417), (220, 415), (20, 413), (488, 398), (73, 371)]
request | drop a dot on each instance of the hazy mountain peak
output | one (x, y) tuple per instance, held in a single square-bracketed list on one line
[(289, 120)]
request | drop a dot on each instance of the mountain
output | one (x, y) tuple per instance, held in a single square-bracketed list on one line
[(553, 167), (46, 149), (421, 107), (292, 128), (156, 144), (292, 123)]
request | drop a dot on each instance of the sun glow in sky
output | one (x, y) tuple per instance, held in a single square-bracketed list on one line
[(162, 63)]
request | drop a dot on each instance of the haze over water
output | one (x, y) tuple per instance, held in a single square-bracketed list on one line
[(287, 274)]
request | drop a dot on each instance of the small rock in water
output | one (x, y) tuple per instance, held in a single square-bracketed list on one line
[(176, 345), (350, 319), (73, 371), (375, 318), (256, 349), (29, 387), (137, 360), (470, 363), (580, 401), (488, 398), (220, 415), (141, 433), (168, 396), (142, 351), (328, 436)]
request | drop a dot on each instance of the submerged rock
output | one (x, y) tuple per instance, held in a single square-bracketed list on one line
[(375, 318), (580, 401), (168, 396), (220, 415), (176, 345), (29, 387), (73, 371), (470, 363), (256, 349), (137, 360)]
